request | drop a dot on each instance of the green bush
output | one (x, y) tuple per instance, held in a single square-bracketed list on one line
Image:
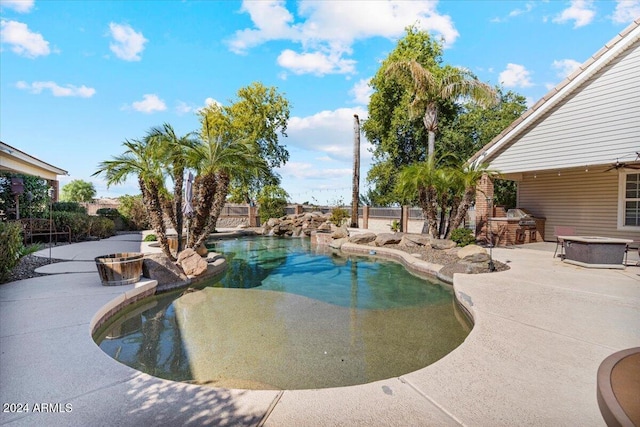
[(150, 238), (273, 202), (83, 226), (101, 227), (463, 236), (134, 214), (395, 226), (11, 248), (68, 207), (339, 216)]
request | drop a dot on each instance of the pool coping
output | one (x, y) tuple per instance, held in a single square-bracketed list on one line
[(533, 369)]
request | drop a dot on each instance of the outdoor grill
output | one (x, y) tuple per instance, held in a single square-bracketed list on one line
[(525, 219)]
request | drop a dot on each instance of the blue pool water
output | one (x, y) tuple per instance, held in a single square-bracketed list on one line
[(286, 315)]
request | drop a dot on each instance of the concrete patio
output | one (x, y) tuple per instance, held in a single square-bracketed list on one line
[(541, 330)]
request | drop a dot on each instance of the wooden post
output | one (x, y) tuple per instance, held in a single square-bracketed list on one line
[(404, 227), (355, 195)]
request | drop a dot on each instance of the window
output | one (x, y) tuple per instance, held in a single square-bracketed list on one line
[(629, 199)]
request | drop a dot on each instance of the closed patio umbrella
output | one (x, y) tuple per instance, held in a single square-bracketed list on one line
[(187, 207)]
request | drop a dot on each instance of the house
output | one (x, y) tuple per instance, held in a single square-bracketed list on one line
[(575, 154), (15, 161)]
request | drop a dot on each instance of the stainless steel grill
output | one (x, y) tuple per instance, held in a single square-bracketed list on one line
[(526, 220)]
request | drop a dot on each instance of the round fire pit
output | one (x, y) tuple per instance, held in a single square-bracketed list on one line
[(123, 268)]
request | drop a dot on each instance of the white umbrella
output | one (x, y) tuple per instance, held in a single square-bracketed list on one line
[(187, 207)]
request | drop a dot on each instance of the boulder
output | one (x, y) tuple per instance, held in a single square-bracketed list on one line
[(414, 240), (442, 244), (388, 239), (159, 267), (192, 263), (470, 250), (477, 258), (340, 232), (362, 238)]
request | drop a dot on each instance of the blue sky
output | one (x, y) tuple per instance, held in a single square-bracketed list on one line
[(79, 77)]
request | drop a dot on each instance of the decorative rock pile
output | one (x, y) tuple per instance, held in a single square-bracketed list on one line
[(297, 225)]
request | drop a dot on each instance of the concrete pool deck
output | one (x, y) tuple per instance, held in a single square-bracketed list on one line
[(541, 331)]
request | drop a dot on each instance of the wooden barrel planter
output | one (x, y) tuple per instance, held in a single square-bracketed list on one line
[(120, 269)]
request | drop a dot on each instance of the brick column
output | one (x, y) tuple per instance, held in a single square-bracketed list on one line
[(298, 209), (365, 217), (253, 216), (484, 207)]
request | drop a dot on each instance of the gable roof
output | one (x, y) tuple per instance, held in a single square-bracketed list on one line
[(15, 160), (555, 96)]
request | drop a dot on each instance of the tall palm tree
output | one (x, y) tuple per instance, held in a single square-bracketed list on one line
[(140, 159), (217, 158), (432, 87), (422, 178), (172, 151)]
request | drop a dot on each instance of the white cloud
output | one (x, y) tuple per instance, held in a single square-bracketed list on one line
[(626, 11), (150, 103), (56, 90), (515, 75), (565, 67), (23, 41), (211, 101), (183, 108), (528, 7), (329, 133), (580, 11), (20, 6), (127, 43), (327, 30), (315, 63), (361, 92)]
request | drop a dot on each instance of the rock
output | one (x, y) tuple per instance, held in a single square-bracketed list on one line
[(340, 233), (325, 226), (192, 263), (470, 250), (442, 244), (337, 243), (388, 239), (202, 250), (473, 267), (413, 240), (362, 238), (159, 267)]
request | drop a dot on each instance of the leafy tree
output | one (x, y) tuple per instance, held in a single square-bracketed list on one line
[(272, 201), (78, 191), (259, 116), (133, 211)]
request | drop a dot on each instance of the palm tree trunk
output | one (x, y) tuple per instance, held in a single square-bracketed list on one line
[(153, 205), (204, 187), (222, 190), (355, 195), (467, 199), (430, 121), (177, 199)]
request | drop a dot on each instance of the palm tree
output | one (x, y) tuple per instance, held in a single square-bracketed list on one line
[(467, 178), (422, 178), (217, 158), (432, 87), (172, 151), (140, 159)]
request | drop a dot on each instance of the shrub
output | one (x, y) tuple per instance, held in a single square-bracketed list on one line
[(273, 202), (11, 248), (134, 214), (101, 227), (68, 207), (339, 216), (395, 226), (150, 238), (463, 236)]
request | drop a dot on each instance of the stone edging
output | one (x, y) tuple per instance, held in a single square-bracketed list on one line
[(410, 262)]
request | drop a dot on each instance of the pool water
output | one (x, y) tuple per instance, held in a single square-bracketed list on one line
[(288, 315)]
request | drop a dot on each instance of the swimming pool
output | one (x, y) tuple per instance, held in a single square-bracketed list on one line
[(289, 315)]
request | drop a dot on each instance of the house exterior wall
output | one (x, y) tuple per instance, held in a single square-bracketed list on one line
[(594, 125), (585, 200)]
